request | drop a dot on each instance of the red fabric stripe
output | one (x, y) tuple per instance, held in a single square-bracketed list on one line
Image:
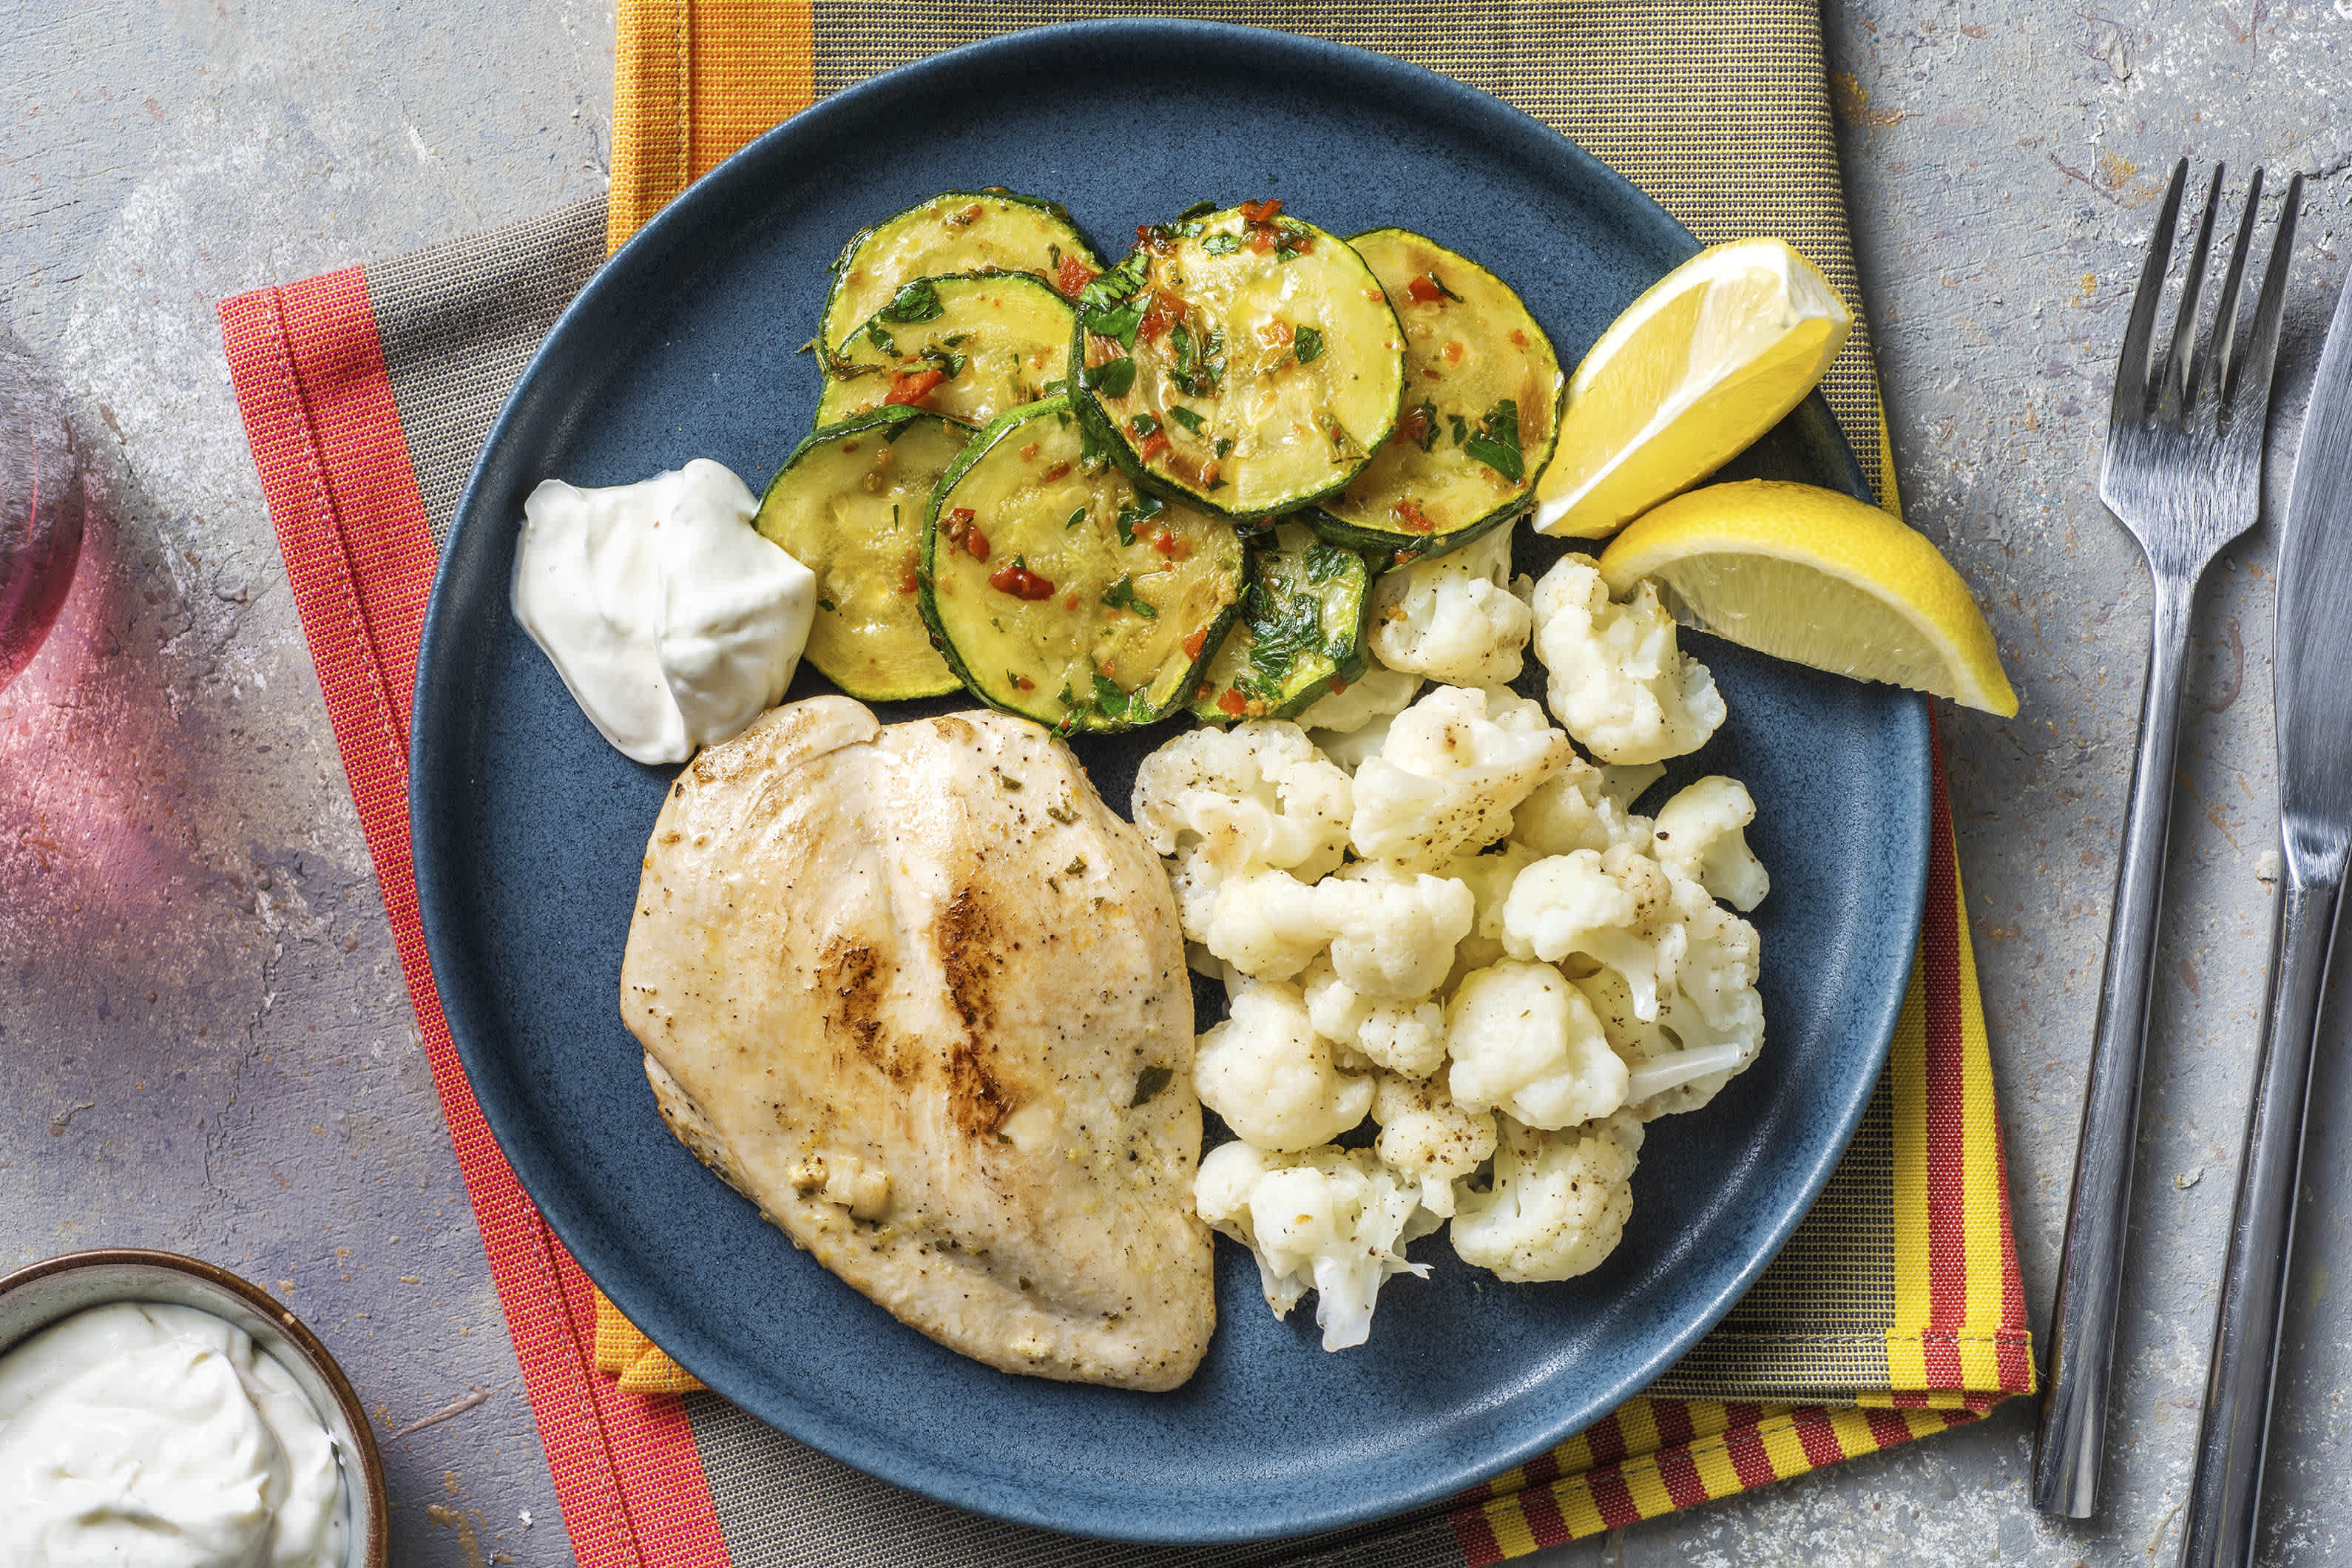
[(1607, 1441), (1672, 1419), (1947, 1291), (1475, 1538), (1544, 1469), (319, 412), (1611, 1497), (1749, 1459), (1886, 1427), (1819, 1437), (1542, 1511), (1681, 1476)]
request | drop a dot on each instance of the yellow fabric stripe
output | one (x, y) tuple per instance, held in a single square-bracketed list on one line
[(1712, 1460), (1854, 1433), (1784, 1448), (1509, 1523), (1906, 1362), (1984, 1205)]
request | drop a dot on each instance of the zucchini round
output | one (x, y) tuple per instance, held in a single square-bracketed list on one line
[(967, 347), (1300, 632), (1241, 360), (954, 232), (1482, 403), (848, 504), (1060, 592)]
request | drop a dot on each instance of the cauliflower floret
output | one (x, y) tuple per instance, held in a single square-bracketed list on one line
[(1576, 810), (1527, 1042), (1701, 834), (1393, 932), (1615, 908), (1717, 969), (1272, 1078), (1257, 795), (1332, 1220), (1268, 924), (1488, 874), (1559, 1203), (1455, 618), (1626, 782), (1405, 1037), (1679, 1062), (1618, 681), (1377, 693), (1349, 751), (1427, 1138), (1454, 766)]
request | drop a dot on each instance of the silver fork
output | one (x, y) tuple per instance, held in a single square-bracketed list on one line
[(2183, 474)]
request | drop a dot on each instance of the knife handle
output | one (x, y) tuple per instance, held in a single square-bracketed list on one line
[(2224, 1499), (2071, 1443)]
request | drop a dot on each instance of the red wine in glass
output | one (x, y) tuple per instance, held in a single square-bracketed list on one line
[(42, 507)]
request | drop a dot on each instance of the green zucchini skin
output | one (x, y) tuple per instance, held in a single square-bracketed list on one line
[(848, 504), (1484, 393), (1309, 599), (1008, 233), (1120, 630), (997, 339), (1250, 382)]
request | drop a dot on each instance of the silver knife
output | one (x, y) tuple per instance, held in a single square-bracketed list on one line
[(2310, 688)]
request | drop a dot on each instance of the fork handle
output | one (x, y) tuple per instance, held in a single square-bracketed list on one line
[(2068, 1449), (2223, 1498)]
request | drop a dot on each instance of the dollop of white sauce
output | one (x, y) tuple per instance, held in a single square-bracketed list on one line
[(160, 1436), (672, 621)]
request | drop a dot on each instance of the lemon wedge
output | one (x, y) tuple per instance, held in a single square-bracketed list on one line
[(1713, 355), (1810, 574)]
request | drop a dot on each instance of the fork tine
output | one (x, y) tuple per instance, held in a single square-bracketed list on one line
[(2210, 374), (2173, 383), (2249, 400), (2130, 403)]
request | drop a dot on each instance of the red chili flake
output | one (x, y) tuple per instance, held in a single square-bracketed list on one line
[(1024, 683), (1209, 475), (849, 446), (1338, 686), (906, 572), (1232, 702), (1165, 313), (1408, 513), (1262, 212), (1029, 451), (1193, 644), (1058, 471), (975, 544), (1425, 291), (1260, 240), (1414, 427), (1017, 580), (1201, 689), (1518, 339), (1452, 353), (1428, 374), (1153, 447), (911, 386), (968, 215), (1071, 603), (1073, 276), (1165, 541)]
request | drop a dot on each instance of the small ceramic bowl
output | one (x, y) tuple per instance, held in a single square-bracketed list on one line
[(40, 1294)]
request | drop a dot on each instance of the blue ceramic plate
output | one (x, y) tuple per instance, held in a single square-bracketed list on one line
[(529, 827)]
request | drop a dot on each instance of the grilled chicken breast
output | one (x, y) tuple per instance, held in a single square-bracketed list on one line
[(915, 992)]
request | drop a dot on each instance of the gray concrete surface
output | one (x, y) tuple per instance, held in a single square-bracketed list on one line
[(205, 1044)]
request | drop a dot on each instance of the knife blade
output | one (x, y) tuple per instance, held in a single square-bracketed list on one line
[(2311, 693)]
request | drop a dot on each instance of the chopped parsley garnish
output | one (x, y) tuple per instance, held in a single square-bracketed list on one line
[(1221, 244), (1282, 630), (1121, 597), (1112, 378), (1421, 418), (1439, 284), (879, 338), (950, 364), (1325, 562), (1113, 703), (1184, 417), (1225, 445), (1144, 426), (1077, 518), (825, 603), (1141, 509), (1307, 343), (1496, 442), (1198, 209), (1106, 306), (1200, 360), (917, 301)]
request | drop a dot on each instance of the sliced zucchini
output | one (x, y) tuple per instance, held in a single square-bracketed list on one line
[(1240, 359), (968, 348), (1059, 590), (955, 231), (848, 504), (1300, 633), (1482, 401)]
